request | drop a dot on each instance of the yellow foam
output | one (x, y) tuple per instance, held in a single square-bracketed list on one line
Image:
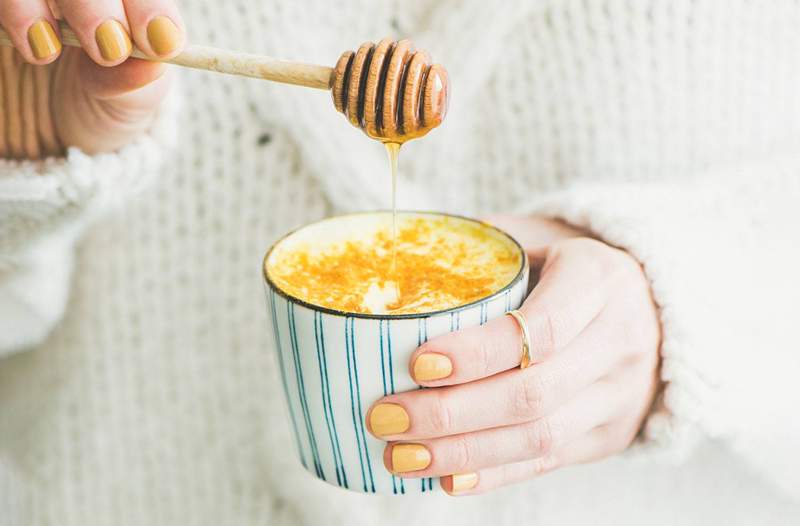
[(442, 263)]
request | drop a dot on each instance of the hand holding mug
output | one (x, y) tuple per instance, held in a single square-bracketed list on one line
[(96, 100), (595, 336)]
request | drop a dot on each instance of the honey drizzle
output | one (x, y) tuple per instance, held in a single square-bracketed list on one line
[(393, 151)]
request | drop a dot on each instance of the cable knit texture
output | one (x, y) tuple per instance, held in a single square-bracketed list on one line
[(147, 394)]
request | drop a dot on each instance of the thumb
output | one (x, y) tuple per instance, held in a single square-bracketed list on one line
[(133, 84), (105, 108)]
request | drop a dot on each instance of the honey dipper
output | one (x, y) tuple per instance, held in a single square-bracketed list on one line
[(389, 90)]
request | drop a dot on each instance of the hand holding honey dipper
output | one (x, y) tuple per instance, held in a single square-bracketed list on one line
[(389, 90)]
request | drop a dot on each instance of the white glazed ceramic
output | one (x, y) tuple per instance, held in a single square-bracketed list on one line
[(334, 365)]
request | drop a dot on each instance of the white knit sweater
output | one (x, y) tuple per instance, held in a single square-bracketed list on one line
[(146, 393)]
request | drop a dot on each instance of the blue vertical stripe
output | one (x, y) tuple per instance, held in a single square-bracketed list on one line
[(391, 377), (484, 313), (358, 419), (387, 376), (283, 378), (455, 321), (389, 353), (327, 407), (301, 389), (353, 402), (383, 364), (422, 337), (508, 300)]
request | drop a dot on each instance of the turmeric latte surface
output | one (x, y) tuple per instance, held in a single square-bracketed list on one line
[(345, 263)]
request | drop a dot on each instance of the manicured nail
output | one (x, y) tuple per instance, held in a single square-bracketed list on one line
[(113, 41), (43, 40), (164, 35), (464, 482), (388, 419), (432, 366), (410, 457)]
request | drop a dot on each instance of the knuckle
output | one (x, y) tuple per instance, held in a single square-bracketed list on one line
[(441, 415), (580, 244), (627, 436), (461, 454), (546, 338), (483, 358), (544, 465), (528, 397), (539, 438), (614, 440)]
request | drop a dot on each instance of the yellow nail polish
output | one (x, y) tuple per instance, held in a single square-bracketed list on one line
[(43, 40), (163, 35), (410, 457), (388, 419), (113, 41), (464, 482), (432, 366)]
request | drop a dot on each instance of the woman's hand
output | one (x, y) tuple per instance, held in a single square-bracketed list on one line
[(595, 338), (97, 99)]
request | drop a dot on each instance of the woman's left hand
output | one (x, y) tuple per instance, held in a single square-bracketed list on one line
[(595, 336)]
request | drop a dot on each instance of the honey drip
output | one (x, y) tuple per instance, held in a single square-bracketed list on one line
[(393, 150)]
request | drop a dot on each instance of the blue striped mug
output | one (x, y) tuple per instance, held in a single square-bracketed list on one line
[(335, 364)]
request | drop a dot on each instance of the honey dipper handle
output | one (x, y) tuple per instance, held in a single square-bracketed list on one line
[(248, 65), (229, 62)]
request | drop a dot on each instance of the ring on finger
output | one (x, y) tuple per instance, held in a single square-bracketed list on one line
[(525, 360)]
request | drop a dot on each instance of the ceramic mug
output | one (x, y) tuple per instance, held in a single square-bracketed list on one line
[(335, 364)]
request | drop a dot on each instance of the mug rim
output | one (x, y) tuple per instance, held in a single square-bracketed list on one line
[(523, 269)]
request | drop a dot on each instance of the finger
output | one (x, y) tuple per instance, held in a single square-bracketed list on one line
[(10, 66), (157, 27), (32, 29), (50, 143), (589, 448), (494, 447), (125, 96), (570, 294), (115, 84), (102, 28), (511, 397)]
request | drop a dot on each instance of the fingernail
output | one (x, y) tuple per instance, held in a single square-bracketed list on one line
[(164, 35), (113, 41), (432, 366), (388, 419), (410, 457), (464, 481), (43, 40)]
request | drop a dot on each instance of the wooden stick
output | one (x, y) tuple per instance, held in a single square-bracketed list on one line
[(228, 62)]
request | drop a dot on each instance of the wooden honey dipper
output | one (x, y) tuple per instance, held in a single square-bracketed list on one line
[(390, 90)]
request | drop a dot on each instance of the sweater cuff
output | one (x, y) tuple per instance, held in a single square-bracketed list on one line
[(40, 198)]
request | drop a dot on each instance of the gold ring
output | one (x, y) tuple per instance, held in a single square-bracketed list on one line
[(526, 360)]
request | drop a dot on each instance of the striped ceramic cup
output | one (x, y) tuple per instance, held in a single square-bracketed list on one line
[(335, 364)]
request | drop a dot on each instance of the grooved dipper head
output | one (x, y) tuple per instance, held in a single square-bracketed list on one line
[(390, 90)]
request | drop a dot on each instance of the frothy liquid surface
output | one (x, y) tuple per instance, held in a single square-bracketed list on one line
[(442, 262)]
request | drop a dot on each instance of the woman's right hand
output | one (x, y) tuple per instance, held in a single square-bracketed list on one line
[(95, 98)]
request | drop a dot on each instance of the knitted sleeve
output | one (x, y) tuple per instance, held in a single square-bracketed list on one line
[(45, 206), (722, 253)]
